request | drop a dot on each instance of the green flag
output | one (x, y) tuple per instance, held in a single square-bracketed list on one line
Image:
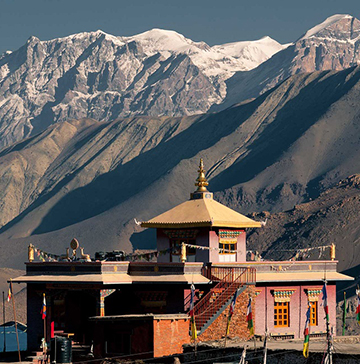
[(344, 315)]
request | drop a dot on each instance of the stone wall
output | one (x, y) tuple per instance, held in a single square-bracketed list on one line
[(170, 335), (238, 324)]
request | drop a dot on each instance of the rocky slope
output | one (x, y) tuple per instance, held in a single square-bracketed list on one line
[(331, 45), (89, 179), (100, 76), (330, 218)]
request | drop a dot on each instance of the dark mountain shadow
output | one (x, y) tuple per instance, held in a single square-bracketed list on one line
[(113, 188), (146, 239), (292, 121), (348, 286)]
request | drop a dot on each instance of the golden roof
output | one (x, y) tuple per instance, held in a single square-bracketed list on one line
[(201, 213)]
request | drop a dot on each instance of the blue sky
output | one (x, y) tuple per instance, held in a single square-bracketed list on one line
[(214, 22)]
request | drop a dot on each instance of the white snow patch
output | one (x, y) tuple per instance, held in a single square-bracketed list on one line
[(326, 23)]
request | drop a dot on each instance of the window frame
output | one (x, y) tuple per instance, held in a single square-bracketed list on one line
[(313, 313), (228, 245), (285, 316)]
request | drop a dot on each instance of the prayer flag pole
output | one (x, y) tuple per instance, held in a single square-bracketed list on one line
[(4, 321), (16, 330), (192, 315), (307, 332), (344, 315), (231, 312), (43, 312)]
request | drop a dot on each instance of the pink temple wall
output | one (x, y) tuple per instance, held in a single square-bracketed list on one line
[(264, 313), (241, 247)]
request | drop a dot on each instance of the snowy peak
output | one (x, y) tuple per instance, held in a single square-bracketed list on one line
[(104, 77), (266, 45), (341, 27), (155, 40)]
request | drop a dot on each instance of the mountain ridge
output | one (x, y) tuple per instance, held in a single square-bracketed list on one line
[(101, 76), (332, 45)]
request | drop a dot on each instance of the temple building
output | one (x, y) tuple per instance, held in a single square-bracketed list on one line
[(202, 222), (130, 307)]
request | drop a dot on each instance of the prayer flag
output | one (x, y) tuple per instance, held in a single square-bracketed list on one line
[(231, 312), (9, 293), (249, 318), (191, 313), (43, 310), (306, 333), (325, 304), (358, 306)]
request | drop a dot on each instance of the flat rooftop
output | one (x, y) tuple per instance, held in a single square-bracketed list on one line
[(124, 272)]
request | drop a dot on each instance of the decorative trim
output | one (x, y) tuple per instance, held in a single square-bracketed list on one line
[(103, 294), (313, 294), (283, 295), (229, 233), (181, 234)]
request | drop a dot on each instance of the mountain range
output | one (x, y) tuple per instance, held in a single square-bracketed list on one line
[(104, 77), (156, 73), (284, 142)]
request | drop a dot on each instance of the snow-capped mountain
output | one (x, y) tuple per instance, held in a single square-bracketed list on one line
[(104, 77), (331, 45), (155, 73)]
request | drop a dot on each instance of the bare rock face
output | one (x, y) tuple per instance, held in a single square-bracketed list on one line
[(100, 76), (331, 45)]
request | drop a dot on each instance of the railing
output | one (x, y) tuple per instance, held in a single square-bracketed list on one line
[(218, 274), (205, 301), (232, 279)]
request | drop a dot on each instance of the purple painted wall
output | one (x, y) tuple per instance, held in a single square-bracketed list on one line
[(241, 247), (264, 312), (162, 244), (207, 238)]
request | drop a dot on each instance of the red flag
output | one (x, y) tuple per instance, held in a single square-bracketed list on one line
[(43, 310), (324, 298)]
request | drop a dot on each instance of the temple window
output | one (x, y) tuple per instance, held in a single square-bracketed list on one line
[(281, 314), (313, 313), (282, 299), (175, 255), (313, 297), (228, 246)]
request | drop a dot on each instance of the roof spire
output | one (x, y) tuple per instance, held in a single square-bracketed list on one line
[(201, 181)]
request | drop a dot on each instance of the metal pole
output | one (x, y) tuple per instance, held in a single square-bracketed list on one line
[(265, 347), (4, 321), (16, 330), (45, 336)]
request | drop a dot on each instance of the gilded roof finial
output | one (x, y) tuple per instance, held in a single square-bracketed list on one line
[(201, 181)]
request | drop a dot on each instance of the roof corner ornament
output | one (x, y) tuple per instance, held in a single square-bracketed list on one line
[(201, 181)]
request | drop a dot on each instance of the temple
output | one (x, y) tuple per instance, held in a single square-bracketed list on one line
[(127, 307), (205, 223)]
